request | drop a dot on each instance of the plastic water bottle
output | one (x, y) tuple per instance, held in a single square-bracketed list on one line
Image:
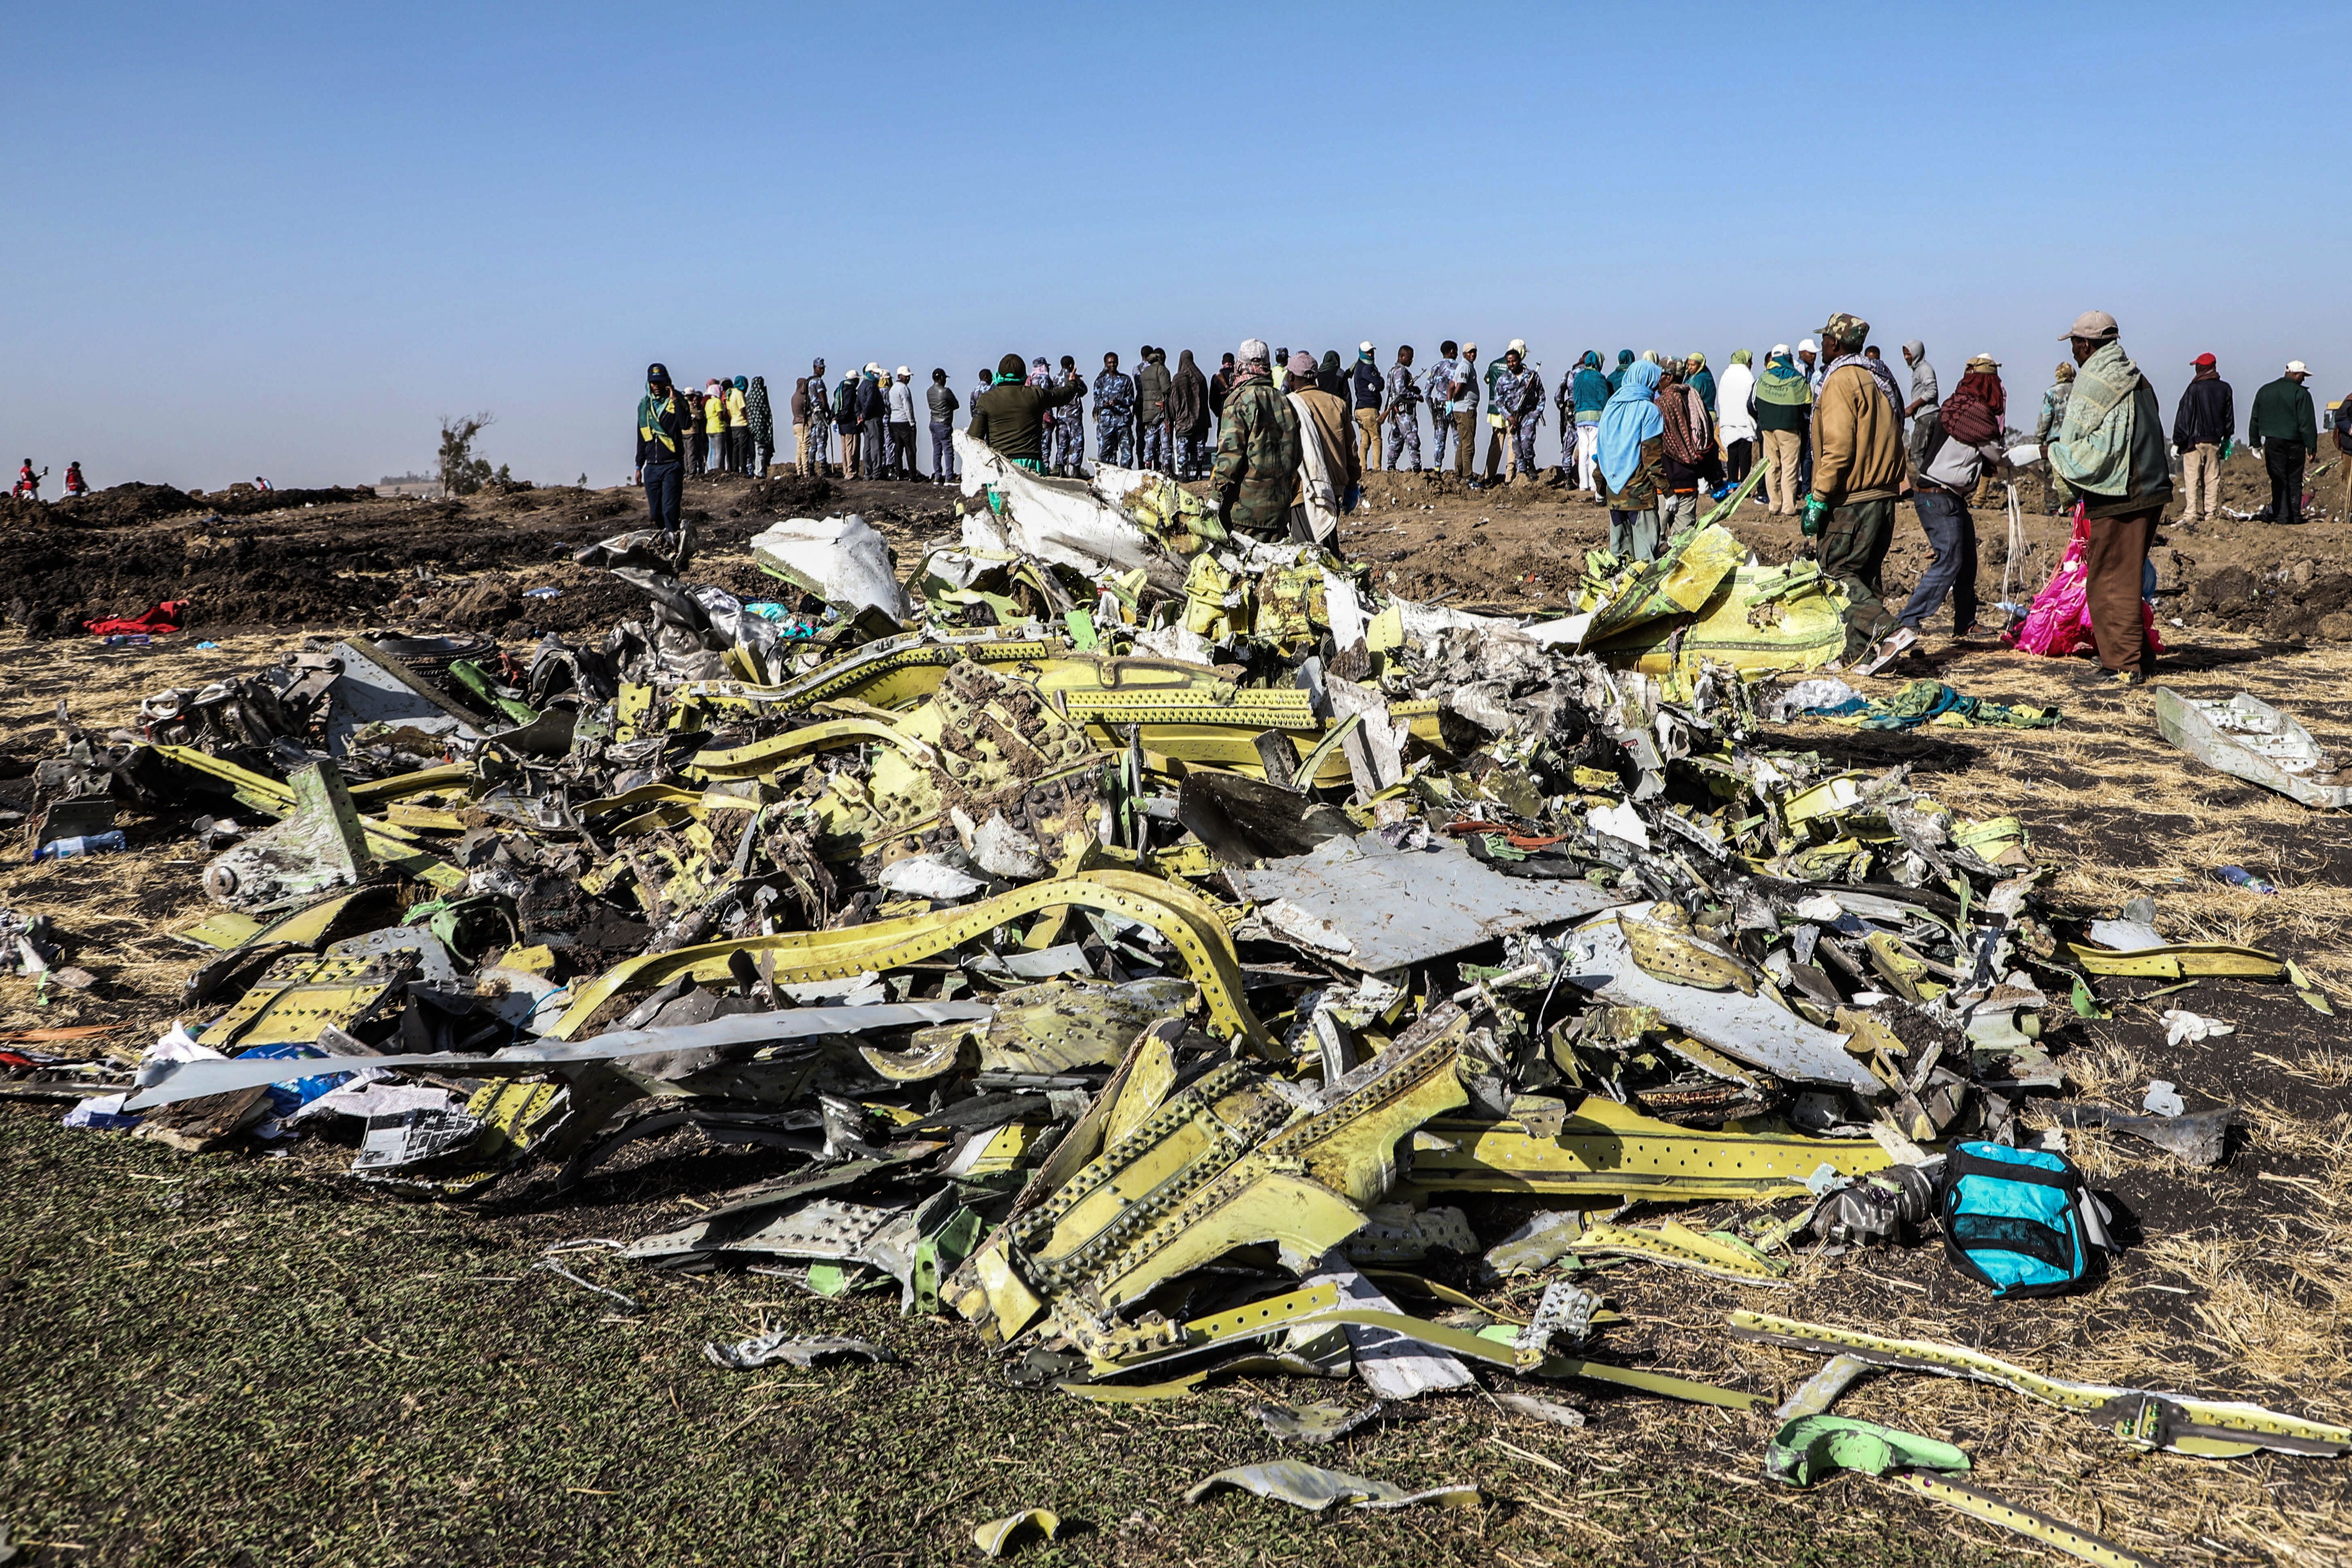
[(87, 844)]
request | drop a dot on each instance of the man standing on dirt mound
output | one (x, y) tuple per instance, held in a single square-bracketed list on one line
[(1114, 415), (2111, 450), (663, 431), (2284, 429), (1257, 471), (1858, 472), (812, 457), (2206, 418)]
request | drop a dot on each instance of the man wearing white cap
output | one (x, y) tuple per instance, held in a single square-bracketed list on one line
[(1367, 388), (2113, 452), (1257, 471), (902, 425), (1809, 360), (2283, 429)]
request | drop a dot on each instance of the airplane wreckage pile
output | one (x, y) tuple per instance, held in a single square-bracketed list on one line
[(1143, 939)]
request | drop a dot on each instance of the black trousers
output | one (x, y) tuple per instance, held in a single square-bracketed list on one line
[(2285, 462), (1738, 457), (663, 483)]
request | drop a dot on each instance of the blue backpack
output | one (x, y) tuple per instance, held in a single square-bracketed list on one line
[(2020, 1219)]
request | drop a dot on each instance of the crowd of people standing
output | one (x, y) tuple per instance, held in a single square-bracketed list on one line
[(1658, 440)]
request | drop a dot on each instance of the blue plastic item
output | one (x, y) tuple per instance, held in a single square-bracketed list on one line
[(85, 844), (2014, 1218), (286, 1098)]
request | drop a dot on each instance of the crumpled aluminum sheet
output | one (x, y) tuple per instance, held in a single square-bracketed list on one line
[(1379, 909)]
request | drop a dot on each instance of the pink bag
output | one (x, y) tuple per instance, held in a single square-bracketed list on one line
[(2060, 619)]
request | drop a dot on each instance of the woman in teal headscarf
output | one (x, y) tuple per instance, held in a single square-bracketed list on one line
[(1631, 462), (1590, 394), (1617, 376), (1701, 380)]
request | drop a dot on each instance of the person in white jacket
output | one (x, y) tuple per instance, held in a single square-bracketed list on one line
[(902, 425), (1735, 420)]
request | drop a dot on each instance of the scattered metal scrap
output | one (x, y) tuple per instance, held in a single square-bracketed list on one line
[(1136, 941), (2249, 739)]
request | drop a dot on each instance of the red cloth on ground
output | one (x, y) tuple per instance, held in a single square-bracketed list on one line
[(164, 618)]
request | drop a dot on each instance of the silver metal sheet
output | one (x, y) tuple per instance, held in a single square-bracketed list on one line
[(1379, 909), (163, 1082), (376, 688), (1393, 1366), (1752, 1029), (2250, 740), (827, 1230)]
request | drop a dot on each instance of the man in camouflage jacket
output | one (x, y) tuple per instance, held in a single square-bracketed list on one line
[(1256, 473)]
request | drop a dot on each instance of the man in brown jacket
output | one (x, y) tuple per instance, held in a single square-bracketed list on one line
[(1858, 474), (1330, 472)]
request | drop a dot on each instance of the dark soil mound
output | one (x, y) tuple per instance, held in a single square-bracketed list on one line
[(252, 503), (123, 505)]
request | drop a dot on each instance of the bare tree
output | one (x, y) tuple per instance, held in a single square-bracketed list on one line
[(462, 473)]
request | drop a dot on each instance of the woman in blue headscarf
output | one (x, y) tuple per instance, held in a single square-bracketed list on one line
[(1617, 376), (1631, 462), (1590, 393)]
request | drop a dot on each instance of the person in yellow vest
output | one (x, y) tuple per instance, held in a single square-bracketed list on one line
[(739, 429), (714, 426)]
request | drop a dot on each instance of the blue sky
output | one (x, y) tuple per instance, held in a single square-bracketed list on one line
[(285, 239)]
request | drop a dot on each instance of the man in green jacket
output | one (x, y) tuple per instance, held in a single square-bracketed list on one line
[(1010, 414), (1256, 473), (2284, 429), (2112, 451)]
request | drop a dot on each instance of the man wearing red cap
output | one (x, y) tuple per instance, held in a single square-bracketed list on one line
[(2207, 417)]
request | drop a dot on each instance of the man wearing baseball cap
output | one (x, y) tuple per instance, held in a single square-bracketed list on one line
[(1858, 472), (662, 434), (2283, 429), (2207, 417), (1367, 389), (2111, 450)]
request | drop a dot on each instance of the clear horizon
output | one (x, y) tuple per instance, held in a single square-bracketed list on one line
[(287, 241)]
